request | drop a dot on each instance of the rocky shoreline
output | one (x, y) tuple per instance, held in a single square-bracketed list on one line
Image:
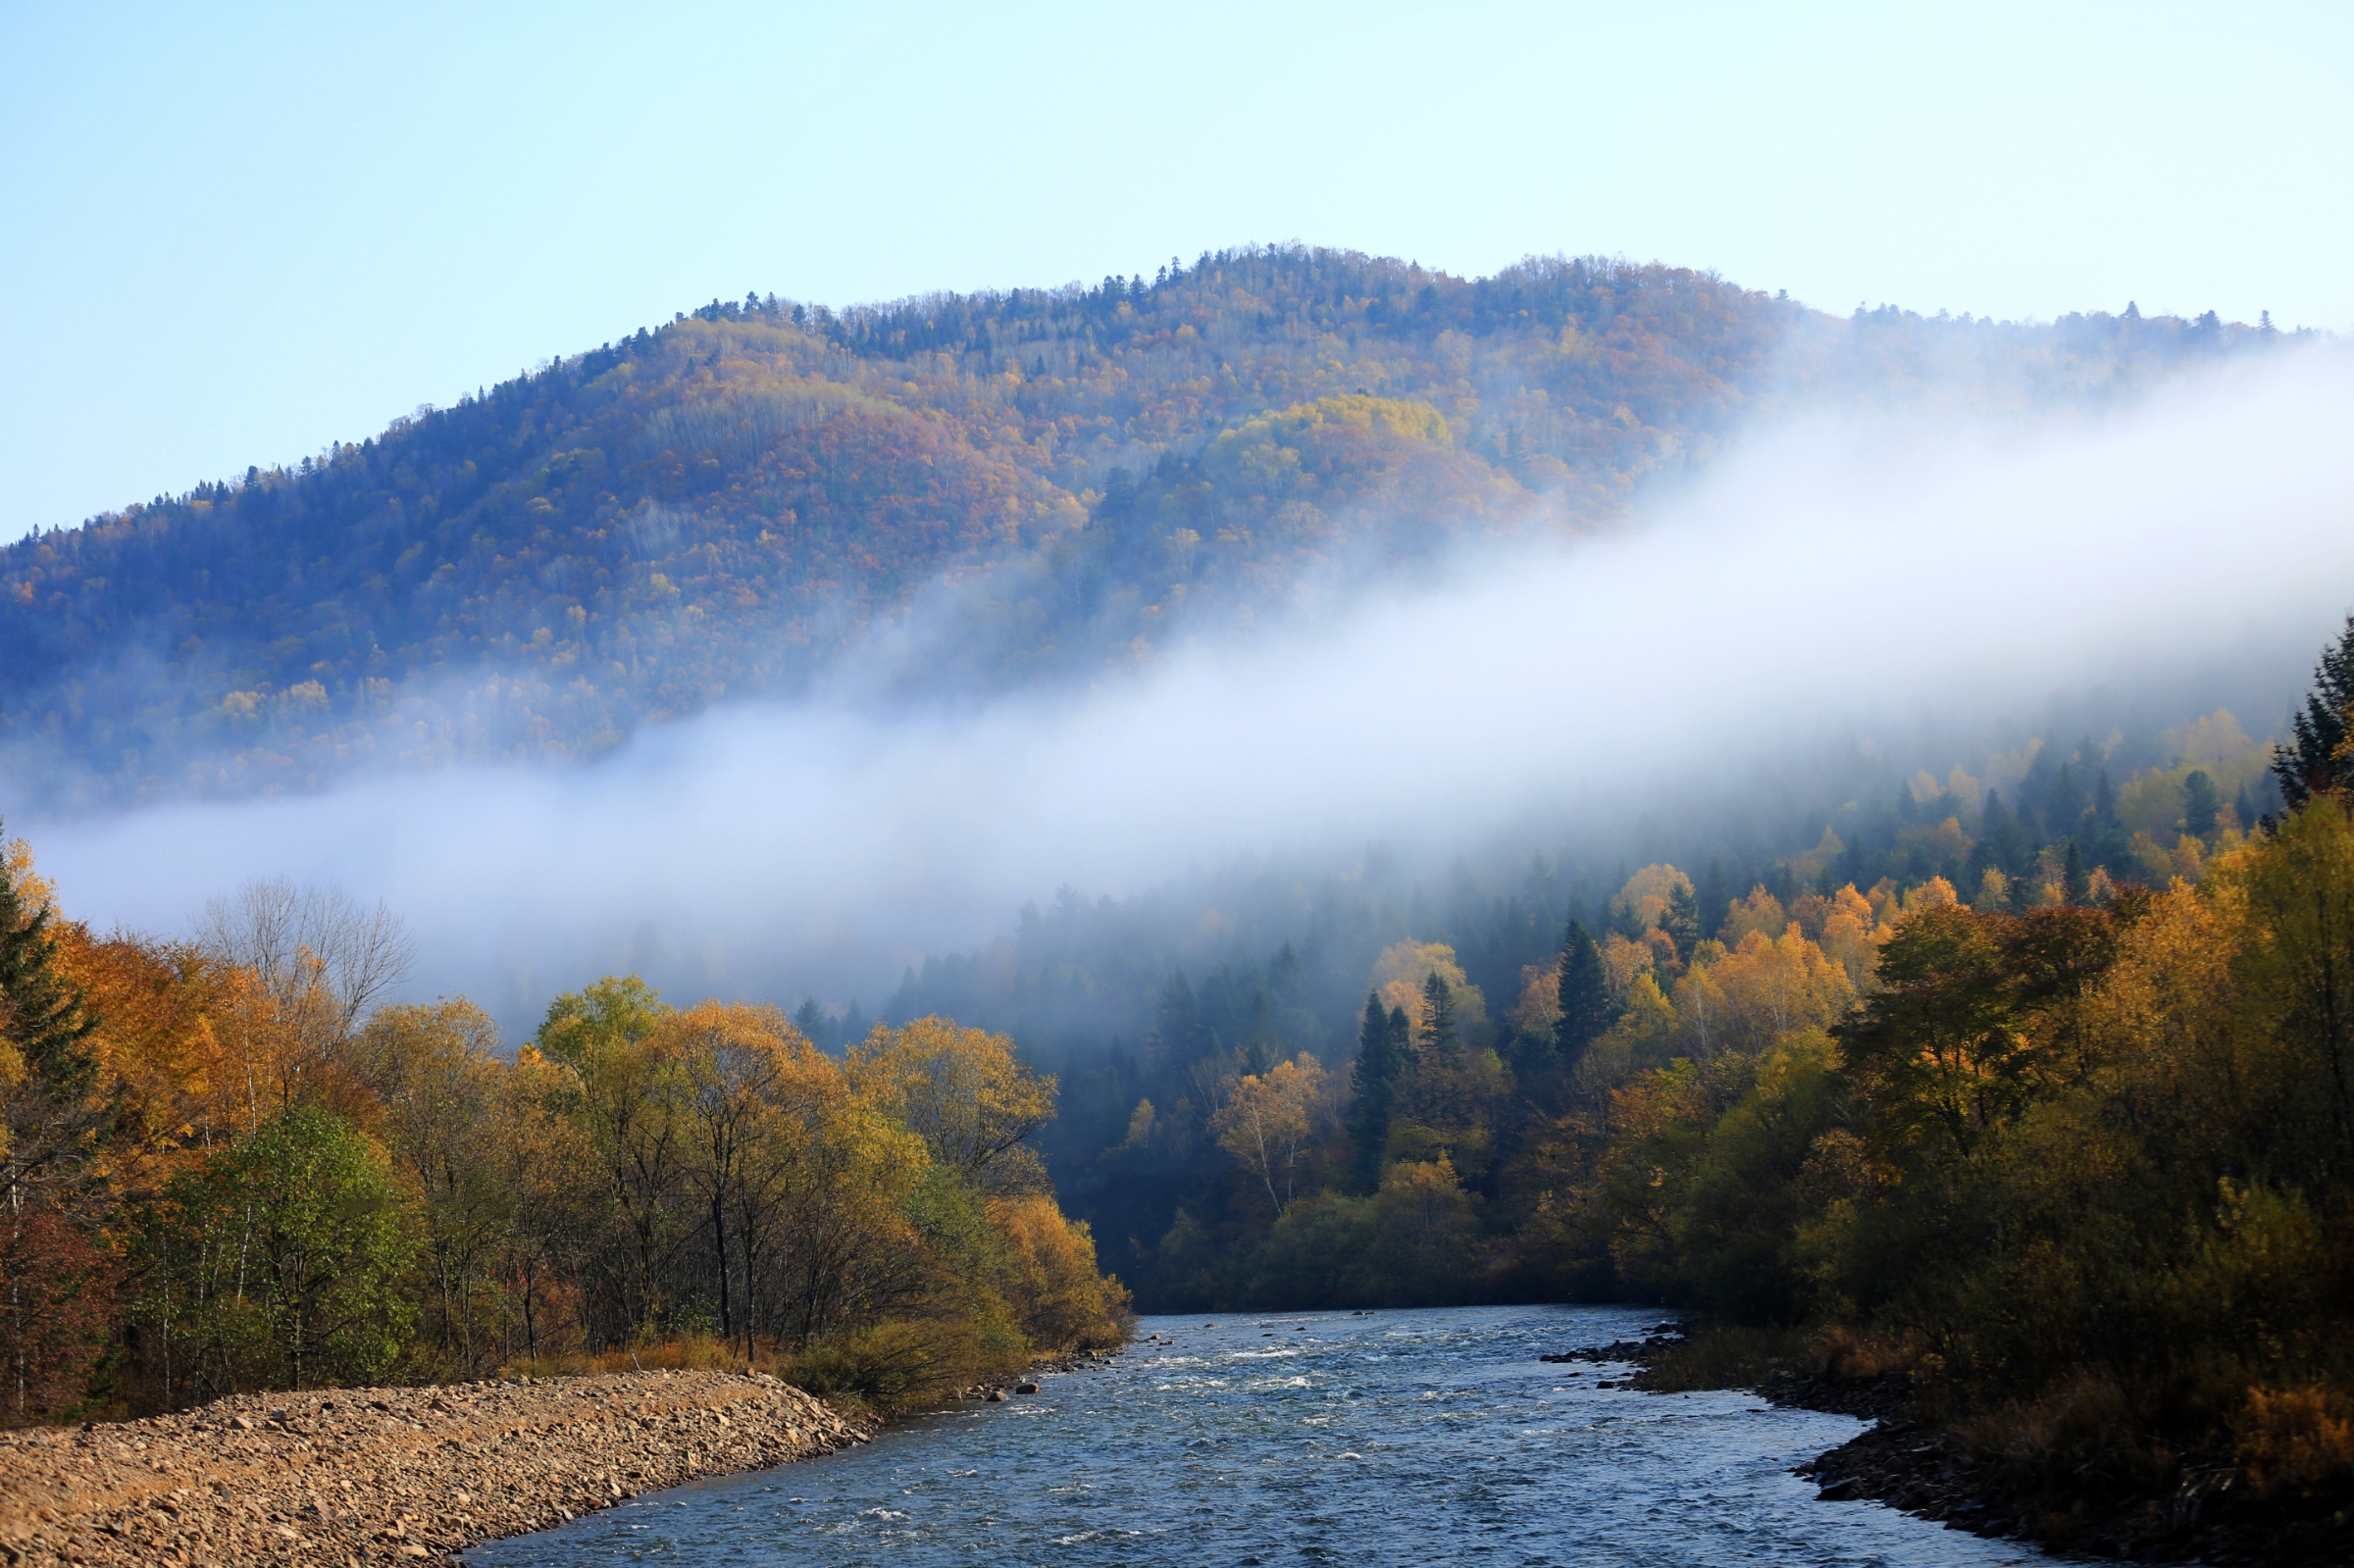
[(389, 1475), (999, 1390), (1933, 1474)]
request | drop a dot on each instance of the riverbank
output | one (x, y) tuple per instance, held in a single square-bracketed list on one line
[(389, 1475), (1932, 1472)]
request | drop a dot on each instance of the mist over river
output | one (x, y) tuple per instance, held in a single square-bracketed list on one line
[(1423, 1437)]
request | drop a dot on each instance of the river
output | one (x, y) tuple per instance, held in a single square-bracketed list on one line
[(1391, 1438)]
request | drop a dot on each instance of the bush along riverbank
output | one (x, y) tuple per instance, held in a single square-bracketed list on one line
[(1996, 1477)]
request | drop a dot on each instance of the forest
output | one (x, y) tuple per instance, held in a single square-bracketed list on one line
[(945, 495), (230, 1165), (2042, 1106)]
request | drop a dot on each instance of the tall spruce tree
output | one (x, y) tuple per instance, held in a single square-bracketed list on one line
[(1681, 922), (1442, 1027), (1380, 1058), (1585, 996), (2075, 884), (2315, 760), (2201, 804), (42, 1012)]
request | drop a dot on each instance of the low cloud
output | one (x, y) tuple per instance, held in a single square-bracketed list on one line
[(1827, 578)]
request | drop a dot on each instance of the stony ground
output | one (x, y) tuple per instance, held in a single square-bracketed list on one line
[(387, 1475)]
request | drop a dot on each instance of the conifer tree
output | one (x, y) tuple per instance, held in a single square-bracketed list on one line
[(1585, 996), (2075, 884), (2314, 761), (2201, 804), (40, 1011), (1681, 922), (1380, 1057), (810, 1019), (1442, 1032)]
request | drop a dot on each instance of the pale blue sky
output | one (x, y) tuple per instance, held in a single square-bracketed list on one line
[(230, 235)]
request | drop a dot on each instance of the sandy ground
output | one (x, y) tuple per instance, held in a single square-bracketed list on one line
[(387, 1475)]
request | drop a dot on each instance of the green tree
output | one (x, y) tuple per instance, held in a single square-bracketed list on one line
[(2315, 759), (1441, 1028), (2075, 885), (1585, 995), (1681, 922), (617, 1010), (278, 1262), (1937, 1054), (1380, 1058), (41, 1013), (2201, 806)]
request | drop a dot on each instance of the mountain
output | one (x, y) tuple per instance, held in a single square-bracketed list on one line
[(946, 494)]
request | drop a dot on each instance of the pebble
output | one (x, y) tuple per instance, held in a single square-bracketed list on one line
[(389, 1475)]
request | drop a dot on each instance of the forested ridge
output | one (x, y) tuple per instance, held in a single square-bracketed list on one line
[(1039, 483)]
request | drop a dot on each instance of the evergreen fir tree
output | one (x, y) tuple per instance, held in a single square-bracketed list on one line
[(1585, 996), (2312, 762), (42, 1012), (1176, 1021), (2200, 805), (810, 1019), (1380, 1057), (1682, 919), (1442, 1032), (2075, 884)]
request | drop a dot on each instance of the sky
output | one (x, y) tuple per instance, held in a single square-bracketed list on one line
[(234, 235)]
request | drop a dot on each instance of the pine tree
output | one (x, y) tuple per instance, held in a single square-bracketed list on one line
[(1380, 1057), (2076, 886), (2313, 761), (1682, 919), (2201, 806), (42, 1012), (1585, 996), (810, 1019), (1176, 1021), (1442, 1032)]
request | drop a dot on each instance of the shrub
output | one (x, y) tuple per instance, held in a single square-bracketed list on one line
[(2296, 1443)]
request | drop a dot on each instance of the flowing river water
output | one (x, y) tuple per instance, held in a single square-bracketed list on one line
[(1390, 1438)]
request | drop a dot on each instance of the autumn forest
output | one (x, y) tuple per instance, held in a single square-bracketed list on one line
[(2015, 1070)]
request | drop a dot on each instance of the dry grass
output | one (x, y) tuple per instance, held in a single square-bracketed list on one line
[(898, 1365), (2087, 1435), (701, 1352), (1840, 1354)]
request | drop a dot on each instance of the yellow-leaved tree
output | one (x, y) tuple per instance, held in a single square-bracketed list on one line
[(1268, 1122)]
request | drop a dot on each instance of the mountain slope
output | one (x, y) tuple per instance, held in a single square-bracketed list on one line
[(728, 504)]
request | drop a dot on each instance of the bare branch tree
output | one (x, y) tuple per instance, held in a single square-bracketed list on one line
[(298, 937)]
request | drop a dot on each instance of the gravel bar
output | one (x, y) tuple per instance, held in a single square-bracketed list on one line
[(389, 1475)]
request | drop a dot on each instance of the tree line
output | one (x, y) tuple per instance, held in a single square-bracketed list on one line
[(2071, 1160), (228, 1165)]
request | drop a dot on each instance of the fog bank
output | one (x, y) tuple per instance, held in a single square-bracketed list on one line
[(1828, 578)]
